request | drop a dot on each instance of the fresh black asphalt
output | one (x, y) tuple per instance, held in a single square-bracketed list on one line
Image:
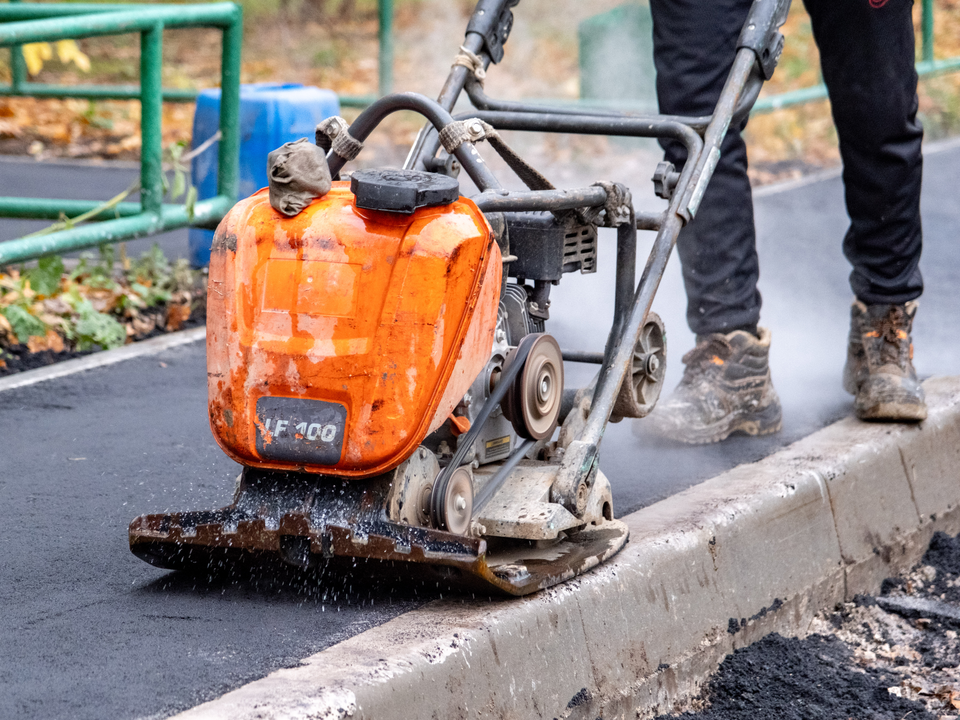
[(89, 631)]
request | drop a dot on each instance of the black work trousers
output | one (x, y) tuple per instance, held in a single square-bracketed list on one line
[(867, 58)]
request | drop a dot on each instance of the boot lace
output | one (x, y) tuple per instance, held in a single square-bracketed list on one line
[(891, 329)]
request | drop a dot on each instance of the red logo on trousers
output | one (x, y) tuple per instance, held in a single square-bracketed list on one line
[(877, 3)]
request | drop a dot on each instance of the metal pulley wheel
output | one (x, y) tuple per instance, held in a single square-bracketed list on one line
[(533, 402), (641, 388), (451, 501)]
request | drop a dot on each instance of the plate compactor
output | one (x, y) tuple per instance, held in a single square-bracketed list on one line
[(377, 351)]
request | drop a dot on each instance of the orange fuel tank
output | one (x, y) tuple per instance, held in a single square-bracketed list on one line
[(339, 338)]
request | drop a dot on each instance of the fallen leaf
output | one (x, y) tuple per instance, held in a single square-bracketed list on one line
[(9, 128), (177, 315), (144, 325), (50, 341)]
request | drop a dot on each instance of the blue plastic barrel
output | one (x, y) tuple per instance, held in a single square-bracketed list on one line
[(270, 115)]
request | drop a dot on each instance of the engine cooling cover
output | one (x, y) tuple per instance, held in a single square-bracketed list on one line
[(339, 338)]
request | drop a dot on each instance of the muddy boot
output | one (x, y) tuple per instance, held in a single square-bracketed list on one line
[(726, 388), (879, 369)]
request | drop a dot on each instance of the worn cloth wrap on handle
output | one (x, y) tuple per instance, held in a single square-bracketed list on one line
[(297, 173)]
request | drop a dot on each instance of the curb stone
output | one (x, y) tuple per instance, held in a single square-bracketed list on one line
[(758, 549)]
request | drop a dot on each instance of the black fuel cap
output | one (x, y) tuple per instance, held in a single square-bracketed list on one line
[(402, 191)]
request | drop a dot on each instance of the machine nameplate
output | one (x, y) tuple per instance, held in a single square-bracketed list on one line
[(299, 430), (498, 446)]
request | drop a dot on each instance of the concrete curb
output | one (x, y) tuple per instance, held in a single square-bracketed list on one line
[(758, 549), (102, 359)]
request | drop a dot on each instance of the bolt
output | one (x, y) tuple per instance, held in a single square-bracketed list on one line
[(460, 504), (653, 364)]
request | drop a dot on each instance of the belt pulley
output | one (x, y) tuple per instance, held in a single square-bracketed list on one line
[(529, 391)]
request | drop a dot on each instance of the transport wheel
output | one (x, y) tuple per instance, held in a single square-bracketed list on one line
[(641, 389), (452, 502), (533, 403)]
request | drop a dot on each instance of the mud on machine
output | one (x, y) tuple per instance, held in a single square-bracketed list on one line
[(378, 359)]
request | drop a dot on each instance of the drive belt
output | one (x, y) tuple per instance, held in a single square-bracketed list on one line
[(466, 441)]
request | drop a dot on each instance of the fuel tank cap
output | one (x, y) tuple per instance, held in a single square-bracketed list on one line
[(402, 191)]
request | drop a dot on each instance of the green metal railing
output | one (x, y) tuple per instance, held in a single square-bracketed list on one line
[(28, 23), (927, 67)]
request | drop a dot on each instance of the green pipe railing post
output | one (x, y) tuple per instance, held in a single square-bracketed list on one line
[(50, 22), (18, 65), (228, 168), (386, 47), (151, 118), (927, 26)]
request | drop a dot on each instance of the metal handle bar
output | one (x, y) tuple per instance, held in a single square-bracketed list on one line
[(760, 34), (370, 118), (581, 454)]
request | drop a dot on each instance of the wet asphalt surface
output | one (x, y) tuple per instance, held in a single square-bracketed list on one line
[(89, 631), (806, 304)]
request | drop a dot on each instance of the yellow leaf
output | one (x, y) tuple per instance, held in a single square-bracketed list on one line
[(69, 51), (35, 54)]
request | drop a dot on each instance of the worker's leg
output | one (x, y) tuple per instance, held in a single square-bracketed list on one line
[(694, 46), (867, 55), (726, 386)]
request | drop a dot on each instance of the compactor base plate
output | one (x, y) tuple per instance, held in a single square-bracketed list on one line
[(309, 521)]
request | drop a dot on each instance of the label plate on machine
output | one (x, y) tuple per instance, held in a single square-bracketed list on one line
[(307, 432)]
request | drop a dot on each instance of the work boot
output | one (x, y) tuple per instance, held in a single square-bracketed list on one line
[(726, 388), (879, 369)]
